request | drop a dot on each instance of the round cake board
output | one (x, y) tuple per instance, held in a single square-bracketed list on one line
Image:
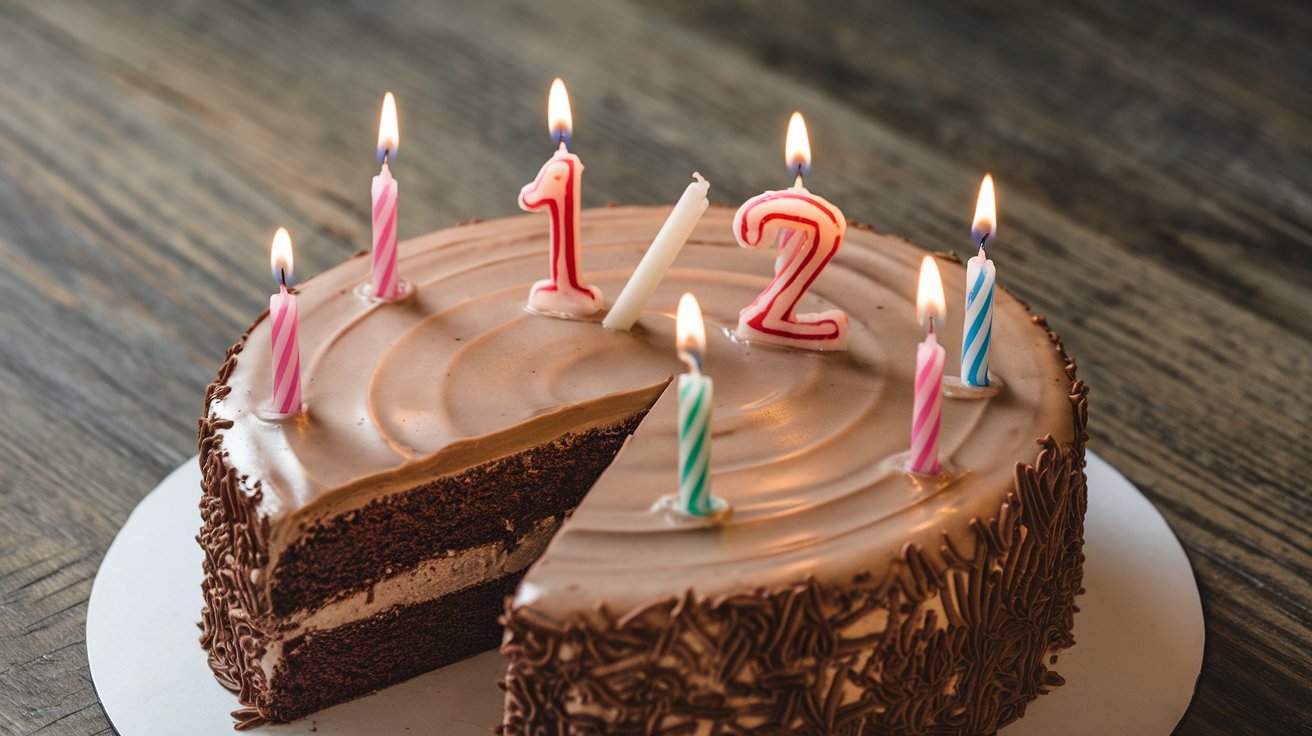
[(1139, 636)]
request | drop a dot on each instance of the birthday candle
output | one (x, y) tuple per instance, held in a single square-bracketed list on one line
[(695, 397), (808, 230), (659, 256), (283, 313), (384, 280), (980, 275), (557, 189), (927, 408)]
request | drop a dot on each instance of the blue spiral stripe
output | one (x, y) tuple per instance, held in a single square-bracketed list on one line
[(975, 343)]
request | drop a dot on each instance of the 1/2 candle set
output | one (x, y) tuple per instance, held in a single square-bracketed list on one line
[(807, 229)]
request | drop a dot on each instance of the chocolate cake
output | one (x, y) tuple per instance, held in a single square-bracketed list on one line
[(467, 473)]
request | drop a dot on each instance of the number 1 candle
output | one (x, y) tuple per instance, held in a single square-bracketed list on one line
[(809, 231), (980, 275), (695, 397), (557, 190), (384, 281), (283, 315), (927, 409)]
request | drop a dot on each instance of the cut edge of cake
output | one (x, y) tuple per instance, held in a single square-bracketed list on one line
[(878, 654), (326, 632)]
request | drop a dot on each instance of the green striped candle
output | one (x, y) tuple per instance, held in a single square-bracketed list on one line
[(695, 398), (695, 393)]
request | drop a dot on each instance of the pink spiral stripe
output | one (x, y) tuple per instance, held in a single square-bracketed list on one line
[(927, 412), (383, 274), (286, 353)]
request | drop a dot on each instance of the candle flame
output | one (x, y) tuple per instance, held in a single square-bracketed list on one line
[(280, 257), (691, 332), (389, 136), (797, 148), (930, 303), (986, 213), (560, 119)]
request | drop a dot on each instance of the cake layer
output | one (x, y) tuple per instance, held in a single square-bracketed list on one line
[(433, 578), (394, 534), (413, 550), (325, 667)]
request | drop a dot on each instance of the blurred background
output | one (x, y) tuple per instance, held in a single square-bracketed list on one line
[(1155, 201)]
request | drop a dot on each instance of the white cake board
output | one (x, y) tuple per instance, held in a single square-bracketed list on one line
[(1133, 670)]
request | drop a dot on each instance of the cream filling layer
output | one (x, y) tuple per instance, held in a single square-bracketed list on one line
[(432, 579)]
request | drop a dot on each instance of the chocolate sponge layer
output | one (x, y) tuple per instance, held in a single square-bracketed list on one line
[(495, 502), (322, 668)]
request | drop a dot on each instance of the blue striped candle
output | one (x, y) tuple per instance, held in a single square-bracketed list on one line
[(695, 397), (980, 275)]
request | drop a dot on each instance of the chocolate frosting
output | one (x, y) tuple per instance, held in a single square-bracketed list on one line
[(806, 446)]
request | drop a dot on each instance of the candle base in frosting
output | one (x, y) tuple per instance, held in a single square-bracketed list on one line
[(955, 388), (269, 413), (546, 299), (405, 291), (673, 513)]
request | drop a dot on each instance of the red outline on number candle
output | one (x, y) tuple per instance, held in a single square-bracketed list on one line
[(562, 227), (789, 316)]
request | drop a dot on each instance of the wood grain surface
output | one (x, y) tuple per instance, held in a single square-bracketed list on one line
[(1154, 164)]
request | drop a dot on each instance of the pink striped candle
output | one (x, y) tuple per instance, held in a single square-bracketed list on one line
[(927, 409), (283, 315), (384, 281)]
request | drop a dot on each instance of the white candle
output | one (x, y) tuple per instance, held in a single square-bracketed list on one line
[(660, 256)]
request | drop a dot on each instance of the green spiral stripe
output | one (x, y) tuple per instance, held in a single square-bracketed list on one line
[(694, 445)]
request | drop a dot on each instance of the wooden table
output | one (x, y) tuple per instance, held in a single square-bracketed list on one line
[(1154, 164)]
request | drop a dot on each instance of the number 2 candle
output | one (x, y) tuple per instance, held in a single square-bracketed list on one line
[(927, 409), (283, 315), (980, 275), (808, 230), (557, 190), (384, 281)]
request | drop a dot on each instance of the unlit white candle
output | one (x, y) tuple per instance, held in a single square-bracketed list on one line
[(660, 256)]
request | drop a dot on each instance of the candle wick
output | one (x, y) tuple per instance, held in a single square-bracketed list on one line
[(931, 324), (692, 360), (282, 277), (983, 239)]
